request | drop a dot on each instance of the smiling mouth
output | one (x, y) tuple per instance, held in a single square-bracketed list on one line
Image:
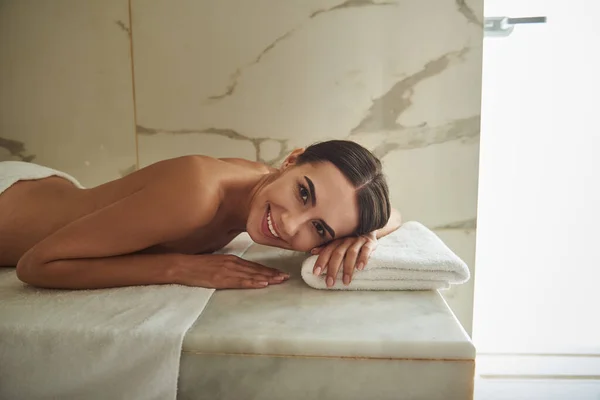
[(270, 223)]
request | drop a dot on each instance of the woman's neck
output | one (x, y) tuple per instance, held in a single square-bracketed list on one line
[(238, 196)]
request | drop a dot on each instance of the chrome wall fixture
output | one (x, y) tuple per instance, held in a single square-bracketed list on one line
[(503, 26)]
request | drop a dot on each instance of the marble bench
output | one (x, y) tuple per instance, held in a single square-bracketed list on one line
[(294, 342)]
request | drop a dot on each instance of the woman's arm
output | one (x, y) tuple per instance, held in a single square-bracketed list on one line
[(89, 251), (95, 251)]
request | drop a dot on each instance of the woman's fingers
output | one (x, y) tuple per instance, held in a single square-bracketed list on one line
[(351, 258), (365, 253), (239, 269), (335, 262), (323, 259), (224, 271), (250, 284), (255, 268), (273, 280), (239, 278)]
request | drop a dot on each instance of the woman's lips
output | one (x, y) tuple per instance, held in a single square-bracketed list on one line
[(265, 225)]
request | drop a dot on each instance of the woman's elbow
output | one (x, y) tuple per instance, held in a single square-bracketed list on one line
[(31, 270)]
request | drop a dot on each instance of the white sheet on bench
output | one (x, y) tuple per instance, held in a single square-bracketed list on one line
[(122, 343)]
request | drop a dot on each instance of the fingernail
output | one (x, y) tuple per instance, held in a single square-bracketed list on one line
[(329, 282), (263, 283), (346, 279), (313, 251), (317, 271), (361, 265), (279, 278)]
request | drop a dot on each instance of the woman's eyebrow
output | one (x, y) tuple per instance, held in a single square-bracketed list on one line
[(313, 198), (329, 229), (311, 189)]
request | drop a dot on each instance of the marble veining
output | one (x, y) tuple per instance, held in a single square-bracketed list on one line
[(239, 71), (123, 27), (468, 12), (467, 224), (423, 136), (410, 138), (293, 319), (230, 134), (16, 149), (385, 110)]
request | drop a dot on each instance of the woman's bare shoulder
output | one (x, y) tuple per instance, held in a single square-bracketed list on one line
[(193, 171), (178, 169), (200, 175), (189, 179), (252, 165)]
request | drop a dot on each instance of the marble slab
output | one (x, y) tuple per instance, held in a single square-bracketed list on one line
[(224, 377), (293, 319)]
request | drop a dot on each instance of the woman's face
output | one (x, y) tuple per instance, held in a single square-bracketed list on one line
[(304, 207)]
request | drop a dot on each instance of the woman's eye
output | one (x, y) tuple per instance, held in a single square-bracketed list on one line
[(319, 228), (303, 194)]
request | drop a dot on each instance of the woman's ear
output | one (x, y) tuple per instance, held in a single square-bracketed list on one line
[(291, 159)]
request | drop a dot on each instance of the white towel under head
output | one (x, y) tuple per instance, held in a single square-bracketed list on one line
[(411, 258)]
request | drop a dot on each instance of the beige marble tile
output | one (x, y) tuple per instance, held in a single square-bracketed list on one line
[(298, 72), (460, 297), (66, 88), (182, 67), (455, 93), (437, 184)]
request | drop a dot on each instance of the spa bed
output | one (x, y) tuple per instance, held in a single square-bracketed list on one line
[(288, 341), (294, 342)]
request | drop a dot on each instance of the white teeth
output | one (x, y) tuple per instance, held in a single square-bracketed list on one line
[(271, 225)]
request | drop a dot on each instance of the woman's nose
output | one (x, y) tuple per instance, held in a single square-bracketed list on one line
[(290, 223)]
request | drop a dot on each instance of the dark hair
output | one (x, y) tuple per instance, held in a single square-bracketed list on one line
[(364, 172)]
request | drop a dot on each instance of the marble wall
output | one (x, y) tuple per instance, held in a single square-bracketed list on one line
[(253, 79)]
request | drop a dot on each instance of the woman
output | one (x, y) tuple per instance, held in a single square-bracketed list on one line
[(160, 224)]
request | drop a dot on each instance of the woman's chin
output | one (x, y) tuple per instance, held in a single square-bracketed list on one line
[(258, 237), (255, 236)]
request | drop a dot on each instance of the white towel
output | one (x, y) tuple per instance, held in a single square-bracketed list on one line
[(411, 258), (122, 343), (12, 172)]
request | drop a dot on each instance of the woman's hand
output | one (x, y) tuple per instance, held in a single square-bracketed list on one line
[(225, 271), (349, 253)]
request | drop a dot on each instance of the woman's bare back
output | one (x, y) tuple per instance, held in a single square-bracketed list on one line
[(32, 210)]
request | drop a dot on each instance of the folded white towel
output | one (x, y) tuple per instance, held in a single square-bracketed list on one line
[(411, 258)]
